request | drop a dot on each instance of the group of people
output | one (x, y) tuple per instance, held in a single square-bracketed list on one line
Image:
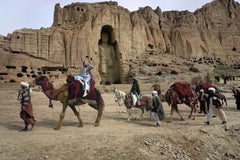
[(157, 111), (209, 105), (210, 108)]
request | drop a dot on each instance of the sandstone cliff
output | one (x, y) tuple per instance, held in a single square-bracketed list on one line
[(134, 39)]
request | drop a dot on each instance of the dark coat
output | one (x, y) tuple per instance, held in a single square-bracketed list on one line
[(237, 97), (135, 88), (157, 107)]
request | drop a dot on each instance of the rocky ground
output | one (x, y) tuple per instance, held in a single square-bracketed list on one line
[(116, 138)]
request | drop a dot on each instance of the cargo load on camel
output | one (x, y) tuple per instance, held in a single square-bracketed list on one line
[(182, 89), (205, 87), (179, 93), (75, 89)]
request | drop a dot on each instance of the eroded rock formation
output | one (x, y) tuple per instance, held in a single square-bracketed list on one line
[(134, 38)]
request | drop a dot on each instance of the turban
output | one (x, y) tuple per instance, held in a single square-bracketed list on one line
[(25, 84), (212, 89), (154, 93)]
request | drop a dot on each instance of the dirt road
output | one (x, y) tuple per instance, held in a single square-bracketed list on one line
[(116, 138)]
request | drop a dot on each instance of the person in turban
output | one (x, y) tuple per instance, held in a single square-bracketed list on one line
[(157, 108), (26, 113)]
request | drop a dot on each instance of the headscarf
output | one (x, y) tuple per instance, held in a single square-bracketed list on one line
[(24, 84), (212, 89), (154, 93), (85, 63)]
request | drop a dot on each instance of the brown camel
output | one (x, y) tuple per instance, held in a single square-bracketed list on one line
[(174, 97), (65, 96)]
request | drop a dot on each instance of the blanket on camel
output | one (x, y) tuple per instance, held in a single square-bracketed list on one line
[(182, 89), (75, 89)]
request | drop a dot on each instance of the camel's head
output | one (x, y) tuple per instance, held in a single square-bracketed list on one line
[(44, 83), (156, 87), (39, 80)]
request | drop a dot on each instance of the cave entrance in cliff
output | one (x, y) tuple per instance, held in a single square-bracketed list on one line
[(109, 68)]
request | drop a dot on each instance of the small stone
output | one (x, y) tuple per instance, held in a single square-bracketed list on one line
[(146, 143), (196, 148)]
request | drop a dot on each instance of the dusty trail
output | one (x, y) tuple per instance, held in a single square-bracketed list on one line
[(115, 138)]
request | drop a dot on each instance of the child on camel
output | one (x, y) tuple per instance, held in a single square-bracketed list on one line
[(85, 77)]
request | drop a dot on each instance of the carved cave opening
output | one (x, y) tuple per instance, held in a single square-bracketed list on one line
[(10, 67), (20, 75), (3, 73), (80, 9), (109, 61), (24, 69)]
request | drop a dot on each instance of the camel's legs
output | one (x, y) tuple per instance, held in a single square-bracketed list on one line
[(193, 108), (50, 104), (195, 111), (190, 115), (61, 117), (77, 114), (171, 113), (59, 122), (177, 111), (181, 118), (99, 116)]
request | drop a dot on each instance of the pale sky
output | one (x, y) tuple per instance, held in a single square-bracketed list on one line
[(18, 14)]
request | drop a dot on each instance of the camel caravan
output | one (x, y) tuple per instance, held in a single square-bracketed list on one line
[(177, 93), (71, 94), (80, 89)]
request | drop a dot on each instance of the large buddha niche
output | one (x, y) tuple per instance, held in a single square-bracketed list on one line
[(109, 59)]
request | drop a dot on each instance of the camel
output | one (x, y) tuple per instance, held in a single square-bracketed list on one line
[(68, 96), (173, 97), (157, 87)]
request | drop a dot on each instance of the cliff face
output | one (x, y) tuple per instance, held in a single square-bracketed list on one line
[(79, 29)]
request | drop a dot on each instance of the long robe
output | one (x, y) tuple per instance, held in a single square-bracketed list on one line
[(26, 112)]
